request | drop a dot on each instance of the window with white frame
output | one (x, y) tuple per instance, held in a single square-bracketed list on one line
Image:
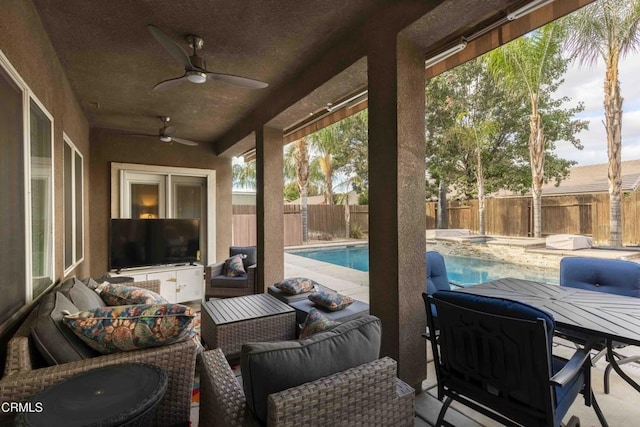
[(73, 205), (27, 197)]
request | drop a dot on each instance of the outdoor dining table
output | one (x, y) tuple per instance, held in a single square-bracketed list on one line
[(601, 316)]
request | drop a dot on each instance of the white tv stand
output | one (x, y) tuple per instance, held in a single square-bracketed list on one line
[(178, 283)]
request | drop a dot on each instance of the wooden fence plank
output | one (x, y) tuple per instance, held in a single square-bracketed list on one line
[(586, 214)]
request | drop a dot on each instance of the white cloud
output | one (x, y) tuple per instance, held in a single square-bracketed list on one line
[(586, 84)]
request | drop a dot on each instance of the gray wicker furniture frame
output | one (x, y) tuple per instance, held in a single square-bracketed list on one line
[(231, 322), (22, 380), (367, 395)]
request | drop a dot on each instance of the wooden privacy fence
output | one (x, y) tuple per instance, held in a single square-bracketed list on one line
[(586, 214), (323, 221)]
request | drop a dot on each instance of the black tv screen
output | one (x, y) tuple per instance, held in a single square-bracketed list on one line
[(148, 242)]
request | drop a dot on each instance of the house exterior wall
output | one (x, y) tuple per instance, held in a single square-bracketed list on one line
[(110, 146), (26, 45)]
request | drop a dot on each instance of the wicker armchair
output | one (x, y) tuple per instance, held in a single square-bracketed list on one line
[(22, 379), (367, 395), (218, 285)]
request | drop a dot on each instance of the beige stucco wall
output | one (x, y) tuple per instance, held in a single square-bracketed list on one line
[(110, 146), (24, 42)]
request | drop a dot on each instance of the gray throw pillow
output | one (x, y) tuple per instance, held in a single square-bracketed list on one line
[(54, 340), (80, 295), (271, 367)]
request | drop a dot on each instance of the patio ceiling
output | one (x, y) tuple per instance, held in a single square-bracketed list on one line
[(112, 61)]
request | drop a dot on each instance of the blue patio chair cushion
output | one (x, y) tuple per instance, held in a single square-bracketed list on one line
[(602, 275), (271, 367), (565, 396), (437, 279), (499, 306)]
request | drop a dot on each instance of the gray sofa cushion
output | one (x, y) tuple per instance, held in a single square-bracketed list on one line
[(268, 368), (55, 341), (80, 295)]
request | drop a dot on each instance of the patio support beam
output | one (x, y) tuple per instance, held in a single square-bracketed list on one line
[(269, 206), (397, 269)]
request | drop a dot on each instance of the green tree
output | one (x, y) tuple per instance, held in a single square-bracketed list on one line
[(352, 156), (477, 133), (301, 177), (607, 30), (244, 175), (324, 143), (532, 66), (469, 128)]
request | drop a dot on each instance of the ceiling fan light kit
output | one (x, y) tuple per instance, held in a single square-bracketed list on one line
[(196, 76), (194, 66)]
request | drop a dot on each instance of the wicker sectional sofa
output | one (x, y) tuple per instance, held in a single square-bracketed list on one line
[(23, 377), (325, 393)]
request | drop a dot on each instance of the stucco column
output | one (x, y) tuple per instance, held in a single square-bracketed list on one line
[(397, 266), (269, 204)]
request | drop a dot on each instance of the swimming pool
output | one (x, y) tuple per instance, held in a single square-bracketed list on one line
[(461, 270)]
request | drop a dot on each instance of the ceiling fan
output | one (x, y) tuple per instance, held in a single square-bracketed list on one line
[(195, 68), (165, 133)]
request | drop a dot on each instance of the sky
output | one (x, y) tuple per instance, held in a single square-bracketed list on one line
[(586, 84)]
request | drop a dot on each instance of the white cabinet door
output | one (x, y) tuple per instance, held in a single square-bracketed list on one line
[(190, 284), (168, 283)]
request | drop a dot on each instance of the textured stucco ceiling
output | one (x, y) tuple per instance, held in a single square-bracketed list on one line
[(112, 61)]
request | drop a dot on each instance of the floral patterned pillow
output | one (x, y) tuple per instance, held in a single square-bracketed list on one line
[(315, 322), (113, 294), (296, 285), (132, 327), (233, 266), (332, 301)]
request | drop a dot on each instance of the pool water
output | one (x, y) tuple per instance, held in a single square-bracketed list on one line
[(461, 270)]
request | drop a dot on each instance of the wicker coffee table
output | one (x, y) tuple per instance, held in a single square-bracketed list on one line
[(229, 323)]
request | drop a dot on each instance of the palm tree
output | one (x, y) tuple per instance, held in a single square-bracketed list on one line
[(244, 175), (607, 29), (325, 141), (529, 65), (301, 156)]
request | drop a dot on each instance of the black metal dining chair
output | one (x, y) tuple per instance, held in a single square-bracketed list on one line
[(612, 276), (494, 356)]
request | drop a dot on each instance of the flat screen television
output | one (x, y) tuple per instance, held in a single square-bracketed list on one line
[(149, 242)]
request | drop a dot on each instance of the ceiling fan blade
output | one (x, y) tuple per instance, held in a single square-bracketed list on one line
[(237, 80), (139, 134), (184, 141), (167, 84), (169, 130), (171, 46)]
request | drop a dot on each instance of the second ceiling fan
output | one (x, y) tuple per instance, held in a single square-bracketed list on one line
[(194, 66), (165, 133)]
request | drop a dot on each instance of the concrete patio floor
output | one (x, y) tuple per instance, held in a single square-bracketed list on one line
[(621, 407)]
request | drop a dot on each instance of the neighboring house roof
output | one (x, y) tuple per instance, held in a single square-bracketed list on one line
[(588, 179)]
